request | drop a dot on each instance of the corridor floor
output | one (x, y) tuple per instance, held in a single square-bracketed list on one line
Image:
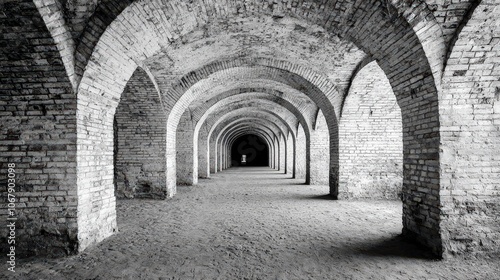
[(255, 223)]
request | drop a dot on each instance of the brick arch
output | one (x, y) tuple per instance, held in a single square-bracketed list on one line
[(470, 131), (267, 126), (229, 136), (251, 120), (191, 89), (53, 15), (223, 123), (241, 128), (249, 131), (235, 116), (332, 17), (230, 111), (270, 92), (314, 85), (249, 96), (231, 119), (391, 41), (245, 130), (187, 136), (286, 116), (270, 109)]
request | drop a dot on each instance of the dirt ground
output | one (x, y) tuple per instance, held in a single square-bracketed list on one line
[(254, 223)]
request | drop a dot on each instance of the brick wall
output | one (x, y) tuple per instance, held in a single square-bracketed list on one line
[(140, 131), (290, 154), (282, 153), (300, 154), (187, 151), (470, 129), (320, 152), (37, 134), (371, 142)]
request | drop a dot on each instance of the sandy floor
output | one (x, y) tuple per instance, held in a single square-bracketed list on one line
[(255, 223)]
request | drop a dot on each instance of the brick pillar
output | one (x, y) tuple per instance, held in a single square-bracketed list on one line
[(187, 165), (282, 154), (320, 152), (300, 155), (203, 153), (290, 155)]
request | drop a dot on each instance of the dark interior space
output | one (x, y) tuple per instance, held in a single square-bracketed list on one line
[(249, 150)]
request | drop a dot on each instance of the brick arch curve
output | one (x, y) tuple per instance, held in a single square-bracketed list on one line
[(239, 129), (205, 144), (314, 85), (187, 139), (416, 14), (249, 96), (245, 130), (221, 124), (52, 14), (290, 97), (234, 162)]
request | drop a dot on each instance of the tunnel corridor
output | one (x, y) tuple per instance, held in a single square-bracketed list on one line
[(249, 150), (250, 139)]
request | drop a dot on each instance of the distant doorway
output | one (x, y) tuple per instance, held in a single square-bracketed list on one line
[(250, 150)]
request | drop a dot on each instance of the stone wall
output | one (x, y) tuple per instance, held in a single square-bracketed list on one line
[(140, 131), (371, 143)]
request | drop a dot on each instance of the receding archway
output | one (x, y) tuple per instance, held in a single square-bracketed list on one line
[(249, 150)]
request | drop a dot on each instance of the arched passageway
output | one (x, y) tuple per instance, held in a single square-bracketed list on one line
[(249, 150), (127, 99)]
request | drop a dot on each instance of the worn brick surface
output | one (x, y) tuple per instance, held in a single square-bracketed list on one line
[(38, 134), (320, 152), (140, 131), (470, 129), (371, 141)]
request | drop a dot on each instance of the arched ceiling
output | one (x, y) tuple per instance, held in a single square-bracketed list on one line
[(228, 118)]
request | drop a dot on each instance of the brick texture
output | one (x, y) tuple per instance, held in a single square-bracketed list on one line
[(65, 66), (320, 152), (38, 135), (371, 138), (470, 129), (140, 132)]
